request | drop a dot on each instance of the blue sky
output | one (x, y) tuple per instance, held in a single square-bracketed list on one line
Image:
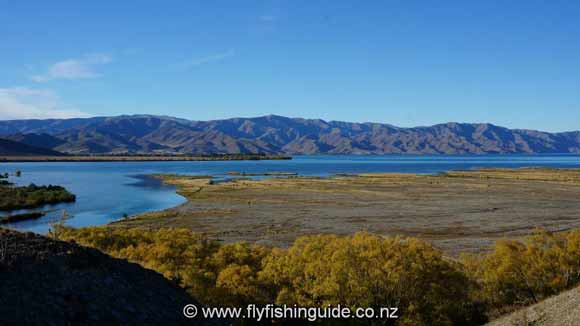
[(407, 63)]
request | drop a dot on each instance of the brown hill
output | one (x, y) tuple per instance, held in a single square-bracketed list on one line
[(280, 135)]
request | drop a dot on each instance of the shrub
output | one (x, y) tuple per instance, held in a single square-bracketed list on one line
[(524, 272), (365, 270), (213, 273), (362, 270), (32, 196), (359, 271)]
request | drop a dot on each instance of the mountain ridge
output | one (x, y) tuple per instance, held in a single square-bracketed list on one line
[(273, 134)]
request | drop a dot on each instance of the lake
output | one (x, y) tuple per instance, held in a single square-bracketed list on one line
[(106, 191)]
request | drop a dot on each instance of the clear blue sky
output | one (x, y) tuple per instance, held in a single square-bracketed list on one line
[(408, 63)]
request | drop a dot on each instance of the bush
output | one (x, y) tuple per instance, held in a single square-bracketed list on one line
[(519, 273), (365, 270), (362, 270), (359, 271), (211, 272), (32, 196)]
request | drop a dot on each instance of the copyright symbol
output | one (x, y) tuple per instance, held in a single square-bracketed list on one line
[(190, 311)]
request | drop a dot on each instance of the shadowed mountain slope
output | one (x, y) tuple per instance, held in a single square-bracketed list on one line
[(13, 148)]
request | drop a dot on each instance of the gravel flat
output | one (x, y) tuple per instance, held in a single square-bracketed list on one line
[(457, 211)]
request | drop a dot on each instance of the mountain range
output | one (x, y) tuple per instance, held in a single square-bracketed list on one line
[(275, 135)]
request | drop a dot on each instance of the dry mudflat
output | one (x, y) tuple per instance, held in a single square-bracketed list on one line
[(456, 211)]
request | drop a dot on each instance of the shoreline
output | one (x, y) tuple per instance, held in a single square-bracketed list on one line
[(160, 158)]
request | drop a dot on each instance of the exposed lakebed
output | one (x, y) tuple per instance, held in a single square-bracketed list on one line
[(106, 191)]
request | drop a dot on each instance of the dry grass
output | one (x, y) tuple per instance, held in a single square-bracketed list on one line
[(457, 211)]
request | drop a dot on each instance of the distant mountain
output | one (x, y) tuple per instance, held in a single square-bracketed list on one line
[(12, 148), (277, 135)]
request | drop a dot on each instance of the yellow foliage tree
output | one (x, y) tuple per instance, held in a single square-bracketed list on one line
[(370, 271), (524, 272), (358, 271)]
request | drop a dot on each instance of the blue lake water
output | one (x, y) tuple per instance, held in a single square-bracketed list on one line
[(107, 190)]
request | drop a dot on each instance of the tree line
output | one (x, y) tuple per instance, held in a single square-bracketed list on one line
[(362, 270)]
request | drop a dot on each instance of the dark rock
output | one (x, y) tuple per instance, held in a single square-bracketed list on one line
[(40, 285)]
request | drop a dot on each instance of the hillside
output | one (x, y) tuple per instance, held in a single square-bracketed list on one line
[(560, 310), (48, 282), (278, 135), (37, 140), (10, 148)]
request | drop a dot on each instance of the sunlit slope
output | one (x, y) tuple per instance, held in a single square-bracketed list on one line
[(280, 135)]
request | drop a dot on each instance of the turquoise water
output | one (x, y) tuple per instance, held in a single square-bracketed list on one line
[(108, 190)]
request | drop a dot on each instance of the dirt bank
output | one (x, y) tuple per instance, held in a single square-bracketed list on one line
[(48, 282)]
